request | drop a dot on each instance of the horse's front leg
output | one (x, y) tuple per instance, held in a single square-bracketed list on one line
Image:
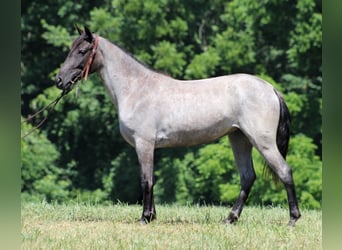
[(145, 152)]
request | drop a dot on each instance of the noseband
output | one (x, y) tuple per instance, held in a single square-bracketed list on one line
[(85, 70)]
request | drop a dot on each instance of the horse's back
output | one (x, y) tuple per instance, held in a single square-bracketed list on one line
[(239, 95)]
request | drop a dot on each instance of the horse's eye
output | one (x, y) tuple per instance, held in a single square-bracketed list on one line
[(82, 51)]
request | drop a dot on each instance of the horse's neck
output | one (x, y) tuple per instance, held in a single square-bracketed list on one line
[(119, 71)]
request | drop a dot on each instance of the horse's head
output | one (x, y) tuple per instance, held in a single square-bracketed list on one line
[(79, 60)]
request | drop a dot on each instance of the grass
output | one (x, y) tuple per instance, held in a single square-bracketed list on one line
[(82, 226)]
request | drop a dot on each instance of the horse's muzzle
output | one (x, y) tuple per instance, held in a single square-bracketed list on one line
[(64, 85), (59, 82)]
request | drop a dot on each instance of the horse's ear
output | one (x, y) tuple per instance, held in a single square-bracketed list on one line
[(89, 35), (78, 29)]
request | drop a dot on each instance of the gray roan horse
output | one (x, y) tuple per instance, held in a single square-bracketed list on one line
[(157, 111)]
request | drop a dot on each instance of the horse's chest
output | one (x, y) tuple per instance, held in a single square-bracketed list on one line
[(132, 129), (127, 133)]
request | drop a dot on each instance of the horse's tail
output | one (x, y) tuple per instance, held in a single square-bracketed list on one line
[(283, 131)]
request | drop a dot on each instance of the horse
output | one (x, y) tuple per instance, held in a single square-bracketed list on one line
[(158, 111)]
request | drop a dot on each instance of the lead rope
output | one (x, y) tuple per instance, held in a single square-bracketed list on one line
[(50, 107)]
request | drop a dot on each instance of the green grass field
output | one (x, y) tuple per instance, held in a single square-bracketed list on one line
[(82, 226)]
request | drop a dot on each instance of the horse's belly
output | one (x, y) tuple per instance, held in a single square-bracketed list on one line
[(191, 136)]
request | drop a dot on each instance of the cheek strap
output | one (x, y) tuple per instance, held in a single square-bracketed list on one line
[(85, 71)]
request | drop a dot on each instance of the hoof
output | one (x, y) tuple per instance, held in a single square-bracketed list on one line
[(147, 219), (293, 221), (142, 222), (231, 220)]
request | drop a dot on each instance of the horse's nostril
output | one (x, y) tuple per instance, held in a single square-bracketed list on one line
[(59, 82)]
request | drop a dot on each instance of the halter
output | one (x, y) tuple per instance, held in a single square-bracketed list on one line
[(85, 71)]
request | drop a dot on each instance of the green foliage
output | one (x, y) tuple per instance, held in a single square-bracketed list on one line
[(236, 44), (41, 178), (79, 152), (56, 35), (211, 167), (104, 21), (306, 37), (203, 65), (125, 177), (307, 171), (168, 59), (52, 189)]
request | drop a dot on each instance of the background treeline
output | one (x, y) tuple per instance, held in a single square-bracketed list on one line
[(79, 153)]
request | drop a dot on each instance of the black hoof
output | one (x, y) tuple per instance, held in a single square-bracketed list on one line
[(231, 220), (293, 221), (148, 219), (142, 222)]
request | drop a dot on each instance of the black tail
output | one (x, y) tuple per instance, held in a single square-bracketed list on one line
[(283, 132)]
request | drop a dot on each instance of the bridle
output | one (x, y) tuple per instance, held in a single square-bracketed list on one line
[(85, 71)]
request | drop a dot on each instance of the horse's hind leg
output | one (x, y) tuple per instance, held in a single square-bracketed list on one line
[(242, 150), (279, 166)]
